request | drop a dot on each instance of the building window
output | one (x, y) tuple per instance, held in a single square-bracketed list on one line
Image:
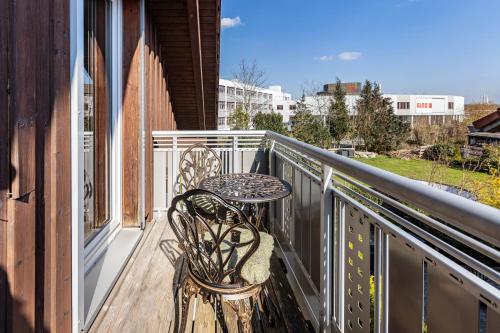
[(239, 105), (403, 105), (222, 89), (230, 105), (270, 107), (222, 121), (97, 116), (230, 91), (293, 107), (451, 105), (279, 107), (222, 105), (239, 92), (259, 95)]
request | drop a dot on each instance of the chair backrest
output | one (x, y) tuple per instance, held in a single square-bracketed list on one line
[(213, 243), (197, 163)]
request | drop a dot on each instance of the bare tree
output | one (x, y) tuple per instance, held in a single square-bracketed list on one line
[(249, 77), (319, 103)]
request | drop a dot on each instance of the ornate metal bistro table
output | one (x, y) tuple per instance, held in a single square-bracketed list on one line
[(250, 189)]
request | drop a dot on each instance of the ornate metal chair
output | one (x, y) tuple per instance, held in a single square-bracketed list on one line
[(228, 259), (197, 163)]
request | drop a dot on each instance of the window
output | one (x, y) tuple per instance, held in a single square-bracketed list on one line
[(403, 105), (251, 93), (259, 95), (230, 105), (293, 107), (239, 92), (230, 91), (97, 116), (222, 105), (270, 107), (451, 105), (222, 89), (222, 121), (279, 107), (239, 105)]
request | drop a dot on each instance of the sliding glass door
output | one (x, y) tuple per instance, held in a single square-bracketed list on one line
[(97, 115)]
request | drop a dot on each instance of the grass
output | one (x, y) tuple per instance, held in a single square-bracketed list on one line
[(428, 171)]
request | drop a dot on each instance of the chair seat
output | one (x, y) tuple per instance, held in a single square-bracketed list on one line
[(257, 268)]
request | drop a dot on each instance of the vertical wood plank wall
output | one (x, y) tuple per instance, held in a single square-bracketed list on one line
[(159, 111), (35, 248), (131, 112), (158, 115)]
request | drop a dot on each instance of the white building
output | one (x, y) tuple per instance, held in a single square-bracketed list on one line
[(232, 94), (430, 109)]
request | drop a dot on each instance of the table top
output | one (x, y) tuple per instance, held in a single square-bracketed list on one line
[(247, 187)]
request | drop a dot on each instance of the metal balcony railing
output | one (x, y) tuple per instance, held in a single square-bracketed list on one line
[(366, 250)]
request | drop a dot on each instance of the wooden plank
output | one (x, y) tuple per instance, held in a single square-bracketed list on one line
[(4, 161), (21, 254), (57, 304), (131, 110), (4, 125)]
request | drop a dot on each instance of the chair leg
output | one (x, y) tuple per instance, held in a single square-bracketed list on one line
[(244, 311), (219, 313), (188, 290)]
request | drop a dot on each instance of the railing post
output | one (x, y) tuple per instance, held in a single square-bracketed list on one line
[(174, 166), (326, 249), (236, 156), (271, 213)]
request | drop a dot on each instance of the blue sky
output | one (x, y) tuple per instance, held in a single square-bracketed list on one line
[(409, 46)]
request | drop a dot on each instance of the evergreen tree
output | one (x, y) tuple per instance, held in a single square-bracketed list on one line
[(307, 128), (269, 121), (239, 119), (376, 123), (338, 114)]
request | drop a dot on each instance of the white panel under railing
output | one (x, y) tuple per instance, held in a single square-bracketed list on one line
[(240, 151)]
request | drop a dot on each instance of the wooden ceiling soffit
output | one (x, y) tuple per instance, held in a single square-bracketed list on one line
[(193, 10)]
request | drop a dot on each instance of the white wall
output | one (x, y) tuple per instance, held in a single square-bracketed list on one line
[(267, 100)]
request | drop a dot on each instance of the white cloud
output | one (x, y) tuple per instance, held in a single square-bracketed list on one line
[(325, 58), (228, 22), (349, 56), (344, 56)]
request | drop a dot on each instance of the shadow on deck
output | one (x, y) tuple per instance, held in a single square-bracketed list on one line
[(143, 298)]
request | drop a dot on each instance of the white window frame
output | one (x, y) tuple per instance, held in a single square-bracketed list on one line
[(85, 256)]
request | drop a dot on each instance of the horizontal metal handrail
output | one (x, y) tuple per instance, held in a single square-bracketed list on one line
[(479, 220)]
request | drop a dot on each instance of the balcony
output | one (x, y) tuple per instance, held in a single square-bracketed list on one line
[(360, 249)]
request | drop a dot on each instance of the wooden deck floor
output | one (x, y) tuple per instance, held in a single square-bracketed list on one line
[(143, 298)]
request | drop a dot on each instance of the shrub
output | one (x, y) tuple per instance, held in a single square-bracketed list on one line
[(440, 152)]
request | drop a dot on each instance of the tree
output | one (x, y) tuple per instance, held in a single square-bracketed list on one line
[(376, 123), (338, 114), (307, 128), (249, 77), (269, 121), (239, 119), (319, 103)]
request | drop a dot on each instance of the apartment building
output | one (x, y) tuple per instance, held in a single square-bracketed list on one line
[(414, 108), (233, 94)]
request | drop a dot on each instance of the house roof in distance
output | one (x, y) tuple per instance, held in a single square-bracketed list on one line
[(489, 123)]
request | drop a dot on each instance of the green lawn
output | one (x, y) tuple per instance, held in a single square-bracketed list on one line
[(428, 171)]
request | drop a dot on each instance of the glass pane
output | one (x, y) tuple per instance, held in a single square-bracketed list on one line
[(97, 110)]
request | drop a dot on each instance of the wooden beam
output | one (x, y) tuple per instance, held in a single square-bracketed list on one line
[(193, 11), (131, 110)]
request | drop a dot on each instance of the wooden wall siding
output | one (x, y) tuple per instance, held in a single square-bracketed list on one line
[(35, 248), (131, 111)]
